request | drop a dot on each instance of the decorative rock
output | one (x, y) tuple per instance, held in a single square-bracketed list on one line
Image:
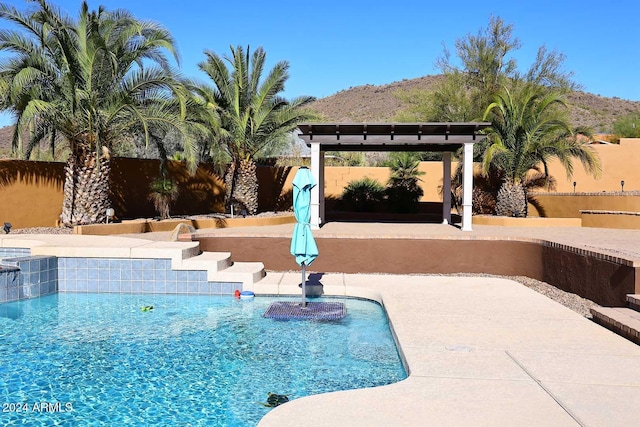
[(181, 228)]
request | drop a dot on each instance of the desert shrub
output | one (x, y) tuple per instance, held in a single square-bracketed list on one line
[(363, 195), (403, 192), (163, 192)]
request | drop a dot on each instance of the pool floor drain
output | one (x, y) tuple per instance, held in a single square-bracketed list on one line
[(288, 310)]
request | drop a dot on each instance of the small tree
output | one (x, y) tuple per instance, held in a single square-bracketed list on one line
[(403, 191), (164, 192), (627, 126)]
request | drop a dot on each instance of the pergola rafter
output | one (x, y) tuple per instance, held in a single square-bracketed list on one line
[(439, 137)]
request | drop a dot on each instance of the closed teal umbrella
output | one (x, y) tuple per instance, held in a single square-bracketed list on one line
[(303, 245)]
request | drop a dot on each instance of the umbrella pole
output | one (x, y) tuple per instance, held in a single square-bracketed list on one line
[(304, 291)]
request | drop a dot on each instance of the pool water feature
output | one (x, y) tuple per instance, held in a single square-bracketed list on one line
[(100, 359)]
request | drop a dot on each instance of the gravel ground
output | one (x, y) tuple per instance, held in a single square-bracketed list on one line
[(572, 301)]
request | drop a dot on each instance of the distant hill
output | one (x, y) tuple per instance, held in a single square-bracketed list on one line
[(371, 104)]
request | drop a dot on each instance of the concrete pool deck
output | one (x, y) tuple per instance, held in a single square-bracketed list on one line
[(479, 350)]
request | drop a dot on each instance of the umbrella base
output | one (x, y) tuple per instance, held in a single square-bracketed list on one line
[(289, 310)]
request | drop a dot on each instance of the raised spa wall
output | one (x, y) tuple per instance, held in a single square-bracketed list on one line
[(23, 276)]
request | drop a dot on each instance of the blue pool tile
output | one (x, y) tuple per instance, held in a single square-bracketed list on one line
[(34, 291), (147, 287), (171, 287), (86, 286), (182, 276), (216, 288), (160, 264), (12, 294), (125, 274), (136, 286), (82, 274), (103, 286), (171, 276), (204, 288), (147, 275), (103, 263), (3, 294), (92, 274), (136, 264), (160, 286), (82, 262), (125, 287), (115, 275), (114, 286), (92, 263), (25, 266), (67, 286), (193, 276), (103, 275), (226, 288), (192, 288)]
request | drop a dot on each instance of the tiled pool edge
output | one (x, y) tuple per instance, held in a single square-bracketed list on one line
[(25, 276)]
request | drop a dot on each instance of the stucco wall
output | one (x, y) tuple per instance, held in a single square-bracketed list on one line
[(30, 193), (602, 279)]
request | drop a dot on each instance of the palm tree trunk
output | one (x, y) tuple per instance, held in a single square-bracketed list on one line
[(86, 190), (244, 191), (512, 200)]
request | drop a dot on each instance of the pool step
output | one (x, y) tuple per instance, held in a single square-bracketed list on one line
[(246, 272), (624, 321), (219, 268), (210, 261)]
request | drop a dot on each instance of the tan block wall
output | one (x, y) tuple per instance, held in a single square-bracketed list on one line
[(30, 193), (570, 205), (619, 162)]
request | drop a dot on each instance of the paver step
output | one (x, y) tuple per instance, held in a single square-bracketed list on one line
[(623, 321), (633, 300), (210, 261), (246, 272)]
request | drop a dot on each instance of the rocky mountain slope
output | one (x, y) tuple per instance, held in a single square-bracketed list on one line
[(371, 104)]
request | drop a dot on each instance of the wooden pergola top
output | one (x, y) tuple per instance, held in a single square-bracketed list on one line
[(391, 136)]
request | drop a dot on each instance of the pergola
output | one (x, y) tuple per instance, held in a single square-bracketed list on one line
[(440, 137)]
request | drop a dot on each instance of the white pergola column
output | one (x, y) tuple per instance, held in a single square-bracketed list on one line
[(446, 187), (317, 192), (467, 186)]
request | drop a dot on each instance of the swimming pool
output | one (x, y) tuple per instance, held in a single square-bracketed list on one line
[(192, 360)]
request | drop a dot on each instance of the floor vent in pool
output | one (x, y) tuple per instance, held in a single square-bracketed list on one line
[(287, 310)]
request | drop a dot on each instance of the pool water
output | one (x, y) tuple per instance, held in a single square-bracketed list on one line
[(99, 359)]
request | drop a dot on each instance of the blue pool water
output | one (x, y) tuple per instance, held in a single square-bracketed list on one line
[(98, 359)]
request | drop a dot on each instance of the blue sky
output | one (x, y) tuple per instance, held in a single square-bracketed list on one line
[(334, 45)]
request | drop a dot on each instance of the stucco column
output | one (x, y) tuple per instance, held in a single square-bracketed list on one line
[(446, 187), (467, 185), (317, 192)]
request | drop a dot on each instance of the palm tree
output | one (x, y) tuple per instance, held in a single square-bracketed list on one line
[(92, 82), (403, 191), (527, 131), (252, 116)]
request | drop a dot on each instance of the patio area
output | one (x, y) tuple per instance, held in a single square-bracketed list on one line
[(479, 350)]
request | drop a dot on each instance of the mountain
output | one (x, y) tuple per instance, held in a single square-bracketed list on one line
[(372, 104)]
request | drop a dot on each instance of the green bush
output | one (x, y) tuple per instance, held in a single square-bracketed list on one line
[(403, 192), (363, 195)]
